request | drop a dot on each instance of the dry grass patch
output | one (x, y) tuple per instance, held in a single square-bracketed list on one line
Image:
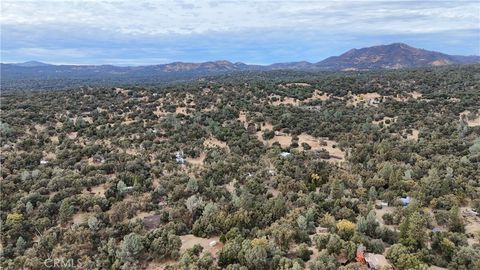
[(380, 212), (198, 161), (242, 117), (318, 144), (98, 190), (369, 99), (318, 95), (88, 119), (153, 265), (336, 154), (49, 156), (284, 101), (297, 84), (214, 142), (80, 218), (230, 187), (472, 221), (414, 95), (182, 110), (40, 128), (384, 121), (121, 91), (190, 240), (141, 215), (159, 112), (284, 140), (413, 136), (132, 151), (54, 139), (472, 119), (72, 135)]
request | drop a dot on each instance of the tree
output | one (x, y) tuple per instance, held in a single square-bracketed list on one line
[(455, 223), (372, 193), (324, 261), (93, 223), (303, 252), (368, 225), (131, 247), (412, 231), (465, 258), (345, 229), (254, 254), (28, 207), (20, 245), (194, 203), (167, 245), (410, 262), (66, 211), (121, 186), (229, 253)]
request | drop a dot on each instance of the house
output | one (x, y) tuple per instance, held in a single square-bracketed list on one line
[(179, 158), (284, 154), (405, 201), (43, 161)]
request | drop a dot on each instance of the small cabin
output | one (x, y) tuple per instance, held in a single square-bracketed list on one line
[(179, 158), (405, 201)]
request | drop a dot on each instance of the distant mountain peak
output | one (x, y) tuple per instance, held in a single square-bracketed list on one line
[(390, 56), (31, 64)]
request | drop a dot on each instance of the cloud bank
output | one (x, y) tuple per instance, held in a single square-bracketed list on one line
[(148, 32)]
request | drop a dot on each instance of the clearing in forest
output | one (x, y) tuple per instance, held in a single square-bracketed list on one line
[(212, 244), (212, 142), (198, 161), (386, 121), (470, 118), (283, 100)]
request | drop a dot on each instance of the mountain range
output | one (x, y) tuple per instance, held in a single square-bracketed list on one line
[(392, 56)]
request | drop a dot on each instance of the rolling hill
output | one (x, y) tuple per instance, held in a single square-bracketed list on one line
[(33, 74)]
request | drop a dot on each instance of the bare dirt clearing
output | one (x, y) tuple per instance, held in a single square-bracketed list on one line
[(470, 118), (277, 100), (318, 95), (386, 121), (198, 161), (81, 217), (190, 240), (98, 190), (212, 142), (368, 99)]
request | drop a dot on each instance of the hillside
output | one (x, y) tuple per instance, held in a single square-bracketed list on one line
[(30, 75), (393, 56), (262, 170)]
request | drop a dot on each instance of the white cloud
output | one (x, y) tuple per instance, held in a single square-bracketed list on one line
[(153, 18)]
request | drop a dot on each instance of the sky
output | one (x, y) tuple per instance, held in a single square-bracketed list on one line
[(138, 32)]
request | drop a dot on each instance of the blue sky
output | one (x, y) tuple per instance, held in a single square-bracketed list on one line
[(258, 32)]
